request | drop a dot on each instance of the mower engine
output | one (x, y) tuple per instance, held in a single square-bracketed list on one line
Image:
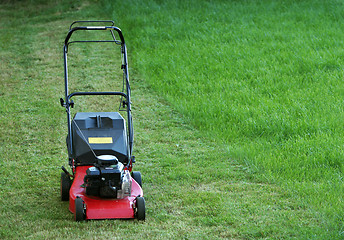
[(107, 178)]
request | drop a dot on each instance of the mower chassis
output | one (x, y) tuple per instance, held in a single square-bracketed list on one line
[(100, 208)]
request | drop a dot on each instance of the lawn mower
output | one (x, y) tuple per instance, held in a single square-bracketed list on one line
[(101, 184)]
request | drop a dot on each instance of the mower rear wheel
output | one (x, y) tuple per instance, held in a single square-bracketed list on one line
[(137, 177), (80, 214), (65, 186), (140, 208)]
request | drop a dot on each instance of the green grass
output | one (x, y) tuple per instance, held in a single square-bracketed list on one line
[(237, 115), (264, 78)]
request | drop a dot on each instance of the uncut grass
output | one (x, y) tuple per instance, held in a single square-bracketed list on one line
[(264, 78), (193, 189)]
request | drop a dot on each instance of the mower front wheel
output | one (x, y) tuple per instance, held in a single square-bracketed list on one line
[(137, 177), (80, 213), (140, 208), (65, 186)]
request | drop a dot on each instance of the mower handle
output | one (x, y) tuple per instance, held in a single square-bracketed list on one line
[(95, 93), (126, 95), (92, 21), (118, 30)]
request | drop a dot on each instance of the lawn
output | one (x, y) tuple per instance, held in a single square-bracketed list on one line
[(237, 116), (263, 78)]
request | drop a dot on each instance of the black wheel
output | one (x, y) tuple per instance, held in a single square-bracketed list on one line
[(137, 177), (80, 214), (65, 186), (140, 208)]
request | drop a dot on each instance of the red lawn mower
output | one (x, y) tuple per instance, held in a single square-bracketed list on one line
[(102, 184)]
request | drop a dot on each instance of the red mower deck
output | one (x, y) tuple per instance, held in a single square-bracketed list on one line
[(99, 208)]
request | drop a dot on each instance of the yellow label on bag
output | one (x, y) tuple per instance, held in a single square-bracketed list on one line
[(100, 140)]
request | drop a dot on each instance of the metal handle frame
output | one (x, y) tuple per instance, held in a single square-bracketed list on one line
[(92, 21), (126, 95)]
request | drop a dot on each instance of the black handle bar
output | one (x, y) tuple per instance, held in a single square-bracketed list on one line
[(95, 93), (118, 30), (92, 21)]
